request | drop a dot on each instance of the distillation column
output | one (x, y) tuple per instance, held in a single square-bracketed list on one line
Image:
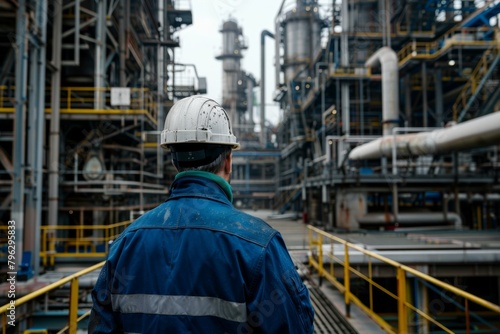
[(302, 42), (232, 45)]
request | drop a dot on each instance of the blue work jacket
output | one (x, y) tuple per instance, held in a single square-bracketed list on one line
[(195, 264)]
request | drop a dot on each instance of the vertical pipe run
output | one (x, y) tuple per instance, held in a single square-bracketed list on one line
[(17, 214), (438, 89), (41, 19), (323, 127), (162, 21), (425, 106), (395, 202), (344, 48), (407, 100), (361, 108), (55, 115), (388, 22), (263, 35), (250, 85), (122, 38), (100, 55), (390, 86)]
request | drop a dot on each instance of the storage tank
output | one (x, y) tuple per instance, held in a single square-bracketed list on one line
[(302, 30)]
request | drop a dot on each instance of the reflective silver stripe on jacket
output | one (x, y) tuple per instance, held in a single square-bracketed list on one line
[(180, 305)]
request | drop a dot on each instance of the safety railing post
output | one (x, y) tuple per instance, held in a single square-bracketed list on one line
[(309, 237), (73, 306), (106, 239), (320, 258), (467, 317), (43, 249), (347, 282), (370, 276), (402, 318), (68, 99), (52, 247)]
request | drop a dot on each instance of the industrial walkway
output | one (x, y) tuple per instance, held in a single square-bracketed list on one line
[(327, 301)]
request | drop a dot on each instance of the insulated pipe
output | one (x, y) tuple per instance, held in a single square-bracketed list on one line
[(390, 85), (415, 217), (250, 86), (263, 35), (479, 132)]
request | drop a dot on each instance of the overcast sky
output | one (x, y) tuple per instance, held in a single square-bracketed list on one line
[(202, 41)]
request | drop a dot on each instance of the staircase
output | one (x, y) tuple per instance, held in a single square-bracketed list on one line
[(284, 199), (477, 81)]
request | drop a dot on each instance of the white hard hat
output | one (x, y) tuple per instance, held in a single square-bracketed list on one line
[(197, 119)]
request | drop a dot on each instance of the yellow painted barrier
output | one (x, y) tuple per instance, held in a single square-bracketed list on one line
[(74, 241), (73, 298), (82, 100), (78, 241), (319, 239)]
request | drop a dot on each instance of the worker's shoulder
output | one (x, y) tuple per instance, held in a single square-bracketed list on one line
[(246, 226), (220, 218)]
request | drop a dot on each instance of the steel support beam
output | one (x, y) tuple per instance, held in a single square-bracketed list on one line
[(163, 22), (36, 131), (55, 115), (17, 214), (344, 57), (438, 89), (425, 106), (100, 55)]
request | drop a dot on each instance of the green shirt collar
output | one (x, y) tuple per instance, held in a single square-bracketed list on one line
[(216, 178)]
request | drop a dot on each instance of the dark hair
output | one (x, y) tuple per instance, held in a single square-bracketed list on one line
[(213, 163)]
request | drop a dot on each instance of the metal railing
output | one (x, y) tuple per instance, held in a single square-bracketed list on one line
[(455, 37), (78, 241), (74, 241), (472, 85), (467, 305), (82, 100), (73, 318)]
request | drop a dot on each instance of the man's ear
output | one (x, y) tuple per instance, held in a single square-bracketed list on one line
[(228, 164), (173, 164)]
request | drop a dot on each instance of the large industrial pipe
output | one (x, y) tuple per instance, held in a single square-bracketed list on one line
[(263, 35), (422, 218), (390, 85), (479, 132)]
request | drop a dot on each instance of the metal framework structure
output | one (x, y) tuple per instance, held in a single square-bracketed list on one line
[(84, 90), (391, 77), (335, 96)]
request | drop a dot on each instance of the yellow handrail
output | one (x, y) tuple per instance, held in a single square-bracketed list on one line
[(431, 50), (84, 246), (60, 241), (80, 100), (73, 301), (318, 238)]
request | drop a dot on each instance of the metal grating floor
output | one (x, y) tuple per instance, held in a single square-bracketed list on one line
[(327, 319)]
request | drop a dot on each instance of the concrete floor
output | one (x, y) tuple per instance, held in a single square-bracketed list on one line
[(293, 231)]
